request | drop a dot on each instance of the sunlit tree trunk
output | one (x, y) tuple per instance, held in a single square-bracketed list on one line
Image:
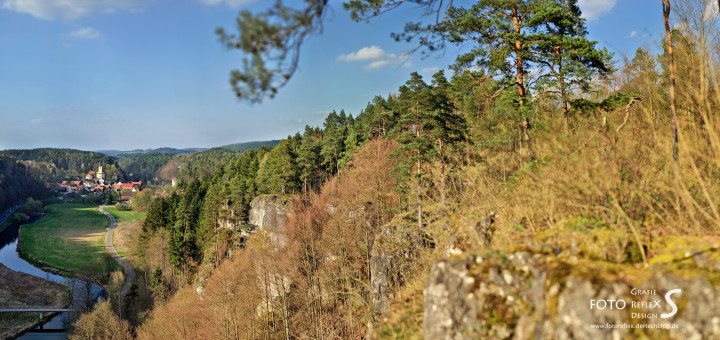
[(419, 173), (442, 173), (520, 81), (671, 66)]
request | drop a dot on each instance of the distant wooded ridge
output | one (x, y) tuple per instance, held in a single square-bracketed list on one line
[(237, 147), (23, 173)]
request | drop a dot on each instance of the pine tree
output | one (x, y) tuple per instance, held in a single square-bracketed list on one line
[(504, 32), (183, 246), (278, 173), (352, 142), (309, 157), (333, 144), (211, 216), (445, 127), (382, 116), (568, 57), (514, 36), (414, 104), (156, 217)]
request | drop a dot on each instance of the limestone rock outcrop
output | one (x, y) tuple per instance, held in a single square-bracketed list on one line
[(541, 295), (269, 213), (391, 258)]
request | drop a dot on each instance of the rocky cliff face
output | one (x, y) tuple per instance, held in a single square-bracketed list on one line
[(390, 259), (269, 214), (547, 295)]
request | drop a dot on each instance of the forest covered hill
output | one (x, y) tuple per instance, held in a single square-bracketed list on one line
[(26, 171), (240, 147), (236, 147), (138, 152)]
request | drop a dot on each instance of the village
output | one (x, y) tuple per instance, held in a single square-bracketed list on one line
[(95, 184)]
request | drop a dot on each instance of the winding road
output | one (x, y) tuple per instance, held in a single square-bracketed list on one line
[(128, 268), (9, 212)]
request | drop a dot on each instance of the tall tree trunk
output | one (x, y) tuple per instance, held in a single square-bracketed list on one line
[(217, 249), (520, 80), (419, 205), (566, 112), (671, 67), (305, 182), (563, 94), (419, 173), (442, 173), (526, 137)]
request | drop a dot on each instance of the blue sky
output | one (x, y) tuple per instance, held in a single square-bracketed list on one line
[(126, 74)]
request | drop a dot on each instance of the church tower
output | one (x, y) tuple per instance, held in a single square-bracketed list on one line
[(100, 174)]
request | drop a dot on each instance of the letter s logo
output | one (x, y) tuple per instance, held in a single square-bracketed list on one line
[(672, 304)]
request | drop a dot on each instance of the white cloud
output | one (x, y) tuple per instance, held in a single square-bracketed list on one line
[(36, 121), (86, 33), (430, 70), (632, 34), (376, 57), (69, 9), (377, 64), (593, 9), (366, 54), (231, 3)]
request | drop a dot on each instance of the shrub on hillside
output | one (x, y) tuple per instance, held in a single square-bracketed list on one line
[(122, 206), (101, 323)]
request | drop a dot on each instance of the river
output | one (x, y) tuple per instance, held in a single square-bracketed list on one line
[(83, 292)]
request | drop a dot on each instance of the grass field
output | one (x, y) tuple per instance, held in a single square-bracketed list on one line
[(126, 231), (124, 214), (71, 236)]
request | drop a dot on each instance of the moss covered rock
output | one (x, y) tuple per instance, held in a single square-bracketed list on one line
[(535, 294)]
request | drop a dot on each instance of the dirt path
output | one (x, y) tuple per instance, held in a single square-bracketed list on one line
[(128, 268)]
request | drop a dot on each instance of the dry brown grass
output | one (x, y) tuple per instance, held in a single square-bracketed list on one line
[(125, 238), (24, 290), (596, 179)]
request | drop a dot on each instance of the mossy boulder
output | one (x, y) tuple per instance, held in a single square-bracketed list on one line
[(554, 294)]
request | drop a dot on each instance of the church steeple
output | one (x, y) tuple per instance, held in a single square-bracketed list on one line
[(100, 174)]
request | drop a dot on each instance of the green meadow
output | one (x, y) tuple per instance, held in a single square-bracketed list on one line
[(71, 236), (123, 214)]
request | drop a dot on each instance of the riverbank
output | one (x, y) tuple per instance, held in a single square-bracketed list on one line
[(24, 290)]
